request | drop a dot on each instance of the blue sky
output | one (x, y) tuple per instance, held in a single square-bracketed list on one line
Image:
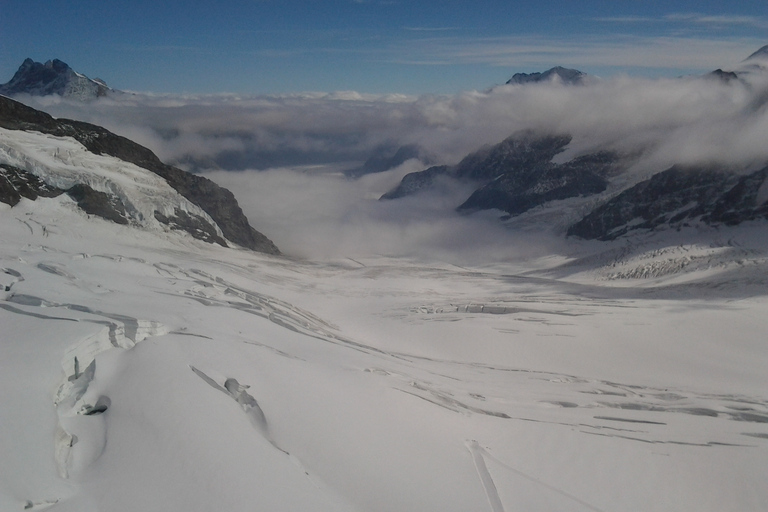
[(375, 46)]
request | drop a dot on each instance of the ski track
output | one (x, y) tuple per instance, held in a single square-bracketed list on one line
[(479, 455), (653, 408)]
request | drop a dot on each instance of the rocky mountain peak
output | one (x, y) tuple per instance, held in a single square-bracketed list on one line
[(762, 53), (556, 74), (213, 201), (53, 77)]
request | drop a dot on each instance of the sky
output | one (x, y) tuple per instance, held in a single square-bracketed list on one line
[(372, 46)]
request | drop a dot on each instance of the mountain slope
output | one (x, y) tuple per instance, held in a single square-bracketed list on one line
[(523, 152), (676, 197), (387, 157), (761, 54), (53, 77), (526, 188), (608, 186), (147, 372), (214, 201)]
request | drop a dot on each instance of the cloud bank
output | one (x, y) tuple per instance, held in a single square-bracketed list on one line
[(274, 141), (312, 213)]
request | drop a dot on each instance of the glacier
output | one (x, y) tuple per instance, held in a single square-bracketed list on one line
[(146, 370)]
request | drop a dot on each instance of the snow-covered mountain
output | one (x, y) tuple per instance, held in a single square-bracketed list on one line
[(147, 369), (113, 177), (518, 175), (53, 77), (597, 192)]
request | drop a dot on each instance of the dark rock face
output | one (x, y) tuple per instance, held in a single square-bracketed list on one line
[(101, 204), (16, 183), (518, 174), (747, 200), (675, 197), (195, 225), (523, 150), (724, 76), (415, 182), (514, 156), (762, 53), (386, 158), (216, 201), (517, 192), (558, 73), (53, 77)]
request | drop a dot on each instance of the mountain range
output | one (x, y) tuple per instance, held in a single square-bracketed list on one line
[(148, 361), (522, 174)]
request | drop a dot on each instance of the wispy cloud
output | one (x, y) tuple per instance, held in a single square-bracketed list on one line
[(375, 2), (431, 29), (314, 213), (625, 19), (710, 20), (604, 52), (167, 48), (723, 20)]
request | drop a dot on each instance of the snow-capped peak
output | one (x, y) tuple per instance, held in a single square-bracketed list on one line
[(53, 77)]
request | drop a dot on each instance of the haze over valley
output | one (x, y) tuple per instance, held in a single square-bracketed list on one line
[(544, 292)]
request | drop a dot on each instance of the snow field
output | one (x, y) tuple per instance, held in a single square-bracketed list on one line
[(383, 384)]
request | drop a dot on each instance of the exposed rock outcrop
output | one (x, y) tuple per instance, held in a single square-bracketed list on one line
[(528, 187), (219, 203), (53, 77), (415, 182), (16, 183), (101, 204), (675, 197), (557, 74), (516, 155)]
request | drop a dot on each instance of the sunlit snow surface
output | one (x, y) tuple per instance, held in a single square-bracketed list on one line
[(147, 371)]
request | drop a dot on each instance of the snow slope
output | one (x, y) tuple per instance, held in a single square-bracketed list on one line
[(62, 162), (144, 370)]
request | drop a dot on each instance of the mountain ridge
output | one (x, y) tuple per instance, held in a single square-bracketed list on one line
[(524, 173), (216, 201), (557, 74), (53, 77)]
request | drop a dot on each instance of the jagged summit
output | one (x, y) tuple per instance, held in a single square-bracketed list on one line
[(53, 77), (556, 74)]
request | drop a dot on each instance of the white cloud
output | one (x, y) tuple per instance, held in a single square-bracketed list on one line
[(613, 51), (718, 20), (320, 215), (313, 213), (691, 18)]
